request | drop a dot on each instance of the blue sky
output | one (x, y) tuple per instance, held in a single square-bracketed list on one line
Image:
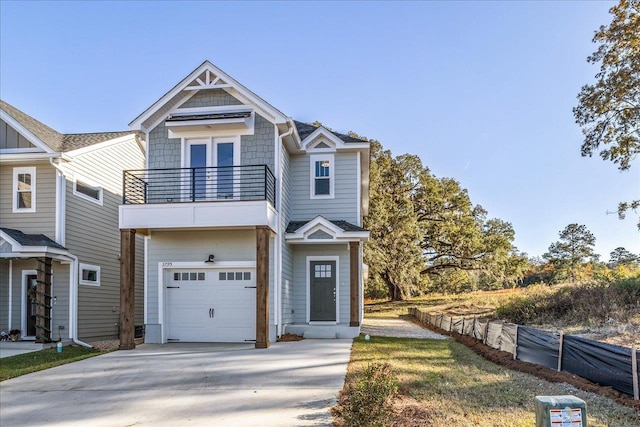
[(481, 91)]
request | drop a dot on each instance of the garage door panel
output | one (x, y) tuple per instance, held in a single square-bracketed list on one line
[(188, 314)]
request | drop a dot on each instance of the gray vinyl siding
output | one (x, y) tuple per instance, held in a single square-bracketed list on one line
[(92, 234), (287, 254), (60, 294), (163, 152), (299, 286), (195, 246), (258, 149), (344, 206), (43, 219)]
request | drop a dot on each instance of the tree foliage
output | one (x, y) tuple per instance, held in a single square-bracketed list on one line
[(609, 110), (426, 233), (570, 254), (622, 257)]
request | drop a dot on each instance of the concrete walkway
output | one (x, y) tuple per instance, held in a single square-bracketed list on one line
[(288, 384), (400, 328)]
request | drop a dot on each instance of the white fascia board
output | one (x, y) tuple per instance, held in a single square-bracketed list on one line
[(24, 132), (100, 146), (346, 237), (27, 157), (318, 220), (235, 89)]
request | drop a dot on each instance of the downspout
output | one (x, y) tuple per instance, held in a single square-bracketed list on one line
[(280, 240), (73, 301)]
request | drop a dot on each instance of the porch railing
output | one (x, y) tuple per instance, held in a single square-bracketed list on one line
[(206, 184)]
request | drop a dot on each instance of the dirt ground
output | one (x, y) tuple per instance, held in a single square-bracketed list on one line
[(506, 359)]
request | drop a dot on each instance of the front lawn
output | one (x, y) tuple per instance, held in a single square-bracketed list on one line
[(22, 364), (444, 383)]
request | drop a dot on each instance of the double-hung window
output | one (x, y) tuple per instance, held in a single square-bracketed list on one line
[(322, 176), (24, 189)]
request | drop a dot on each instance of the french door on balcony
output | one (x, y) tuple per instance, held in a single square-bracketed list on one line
[(211, 173)]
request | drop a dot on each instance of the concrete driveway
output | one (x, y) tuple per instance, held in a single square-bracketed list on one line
[(288, 384)]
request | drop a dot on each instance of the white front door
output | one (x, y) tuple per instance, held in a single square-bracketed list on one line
[(211, 305)]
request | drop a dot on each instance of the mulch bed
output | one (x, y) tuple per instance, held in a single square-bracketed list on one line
[(289, 338), (506, 359)]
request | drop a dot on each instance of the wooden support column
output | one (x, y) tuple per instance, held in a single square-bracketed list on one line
[(262, 287), (127, 288), (43, 301), (354, 283)]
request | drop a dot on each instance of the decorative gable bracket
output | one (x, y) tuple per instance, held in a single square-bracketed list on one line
[(322, 231)]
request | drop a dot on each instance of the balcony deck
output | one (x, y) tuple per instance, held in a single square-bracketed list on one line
[(211, 197)]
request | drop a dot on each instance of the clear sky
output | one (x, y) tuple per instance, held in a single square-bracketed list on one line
[(481, 91)]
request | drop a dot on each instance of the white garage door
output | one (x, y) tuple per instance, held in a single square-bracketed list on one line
[(213, 305)]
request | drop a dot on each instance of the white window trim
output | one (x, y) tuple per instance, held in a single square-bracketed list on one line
[(16, 172), (308, 273), (312, 175), (84, 196), (89, 267)]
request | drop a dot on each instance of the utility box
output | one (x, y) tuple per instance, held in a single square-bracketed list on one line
[(560, 411)]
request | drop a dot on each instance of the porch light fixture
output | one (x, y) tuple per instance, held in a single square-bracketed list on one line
[(210, 259)]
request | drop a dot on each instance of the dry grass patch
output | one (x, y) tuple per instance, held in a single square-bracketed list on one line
[(445, 383)]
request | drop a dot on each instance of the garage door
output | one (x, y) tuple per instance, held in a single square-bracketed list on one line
[(211, 305)]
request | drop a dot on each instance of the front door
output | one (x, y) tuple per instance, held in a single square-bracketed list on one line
[(30, 309), (322, 283)]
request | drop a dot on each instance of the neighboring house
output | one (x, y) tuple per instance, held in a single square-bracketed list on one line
[(59, 198), (252, 221)]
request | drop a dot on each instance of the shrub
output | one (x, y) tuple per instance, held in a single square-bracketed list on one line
[(367, 399)]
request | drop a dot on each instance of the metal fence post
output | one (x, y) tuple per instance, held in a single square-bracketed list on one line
[(560, 351), (634, 371)]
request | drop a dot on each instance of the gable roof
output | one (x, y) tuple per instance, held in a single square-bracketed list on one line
[(193, 83), (30, 239), (53, 139), (306, 129)]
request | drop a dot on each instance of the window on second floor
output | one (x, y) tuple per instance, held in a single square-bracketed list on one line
[(24, 189), (87, 191), (322, 176)]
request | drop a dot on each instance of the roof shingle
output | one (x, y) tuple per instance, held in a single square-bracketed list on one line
[(31, 239), (306, 129)]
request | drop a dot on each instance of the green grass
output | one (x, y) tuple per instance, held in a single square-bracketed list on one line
[(22, 364), (444, 383)]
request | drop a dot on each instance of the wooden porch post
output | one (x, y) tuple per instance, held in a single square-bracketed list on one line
[(354, 282), (262, 287), (127, 288), (43, 301)]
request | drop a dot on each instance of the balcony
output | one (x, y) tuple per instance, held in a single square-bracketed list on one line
[(207, 197)]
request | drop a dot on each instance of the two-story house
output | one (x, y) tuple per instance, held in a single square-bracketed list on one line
[(252, 221), (59, 236)]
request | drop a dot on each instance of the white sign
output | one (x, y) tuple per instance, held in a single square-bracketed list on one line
[(567, 417)]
